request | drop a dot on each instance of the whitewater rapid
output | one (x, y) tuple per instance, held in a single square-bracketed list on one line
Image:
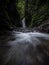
[(29, 37)]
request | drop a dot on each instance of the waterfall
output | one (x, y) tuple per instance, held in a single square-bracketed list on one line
[(23, 23)]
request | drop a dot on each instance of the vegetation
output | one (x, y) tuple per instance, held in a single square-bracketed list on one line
[(36, 11), (21, 8)]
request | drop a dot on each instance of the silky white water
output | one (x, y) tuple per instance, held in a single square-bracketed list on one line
[(23, 47), (23, 23), (29, 37)]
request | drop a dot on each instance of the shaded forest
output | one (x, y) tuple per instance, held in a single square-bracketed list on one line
[(36, 12)]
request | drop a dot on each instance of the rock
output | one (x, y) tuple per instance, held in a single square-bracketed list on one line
[(44, 28), (9, 16)]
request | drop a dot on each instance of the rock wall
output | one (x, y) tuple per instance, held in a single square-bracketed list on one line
[(8, 14)]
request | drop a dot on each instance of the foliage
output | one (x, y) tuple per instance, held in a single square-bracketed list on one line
[(38, 10), (21, 7)]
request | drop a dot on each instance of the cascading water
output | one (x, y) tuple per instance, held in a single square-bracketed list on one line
[(33, 38), (21, 49), (23, 23)]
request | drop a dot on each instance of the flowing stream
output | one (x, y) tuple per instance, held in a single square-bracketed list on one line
[(33, 38), (21, 48), (30, 37)]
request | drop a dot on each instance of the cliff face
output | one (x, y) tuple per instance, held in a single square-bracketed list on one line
[(8, 14), (37, 11)]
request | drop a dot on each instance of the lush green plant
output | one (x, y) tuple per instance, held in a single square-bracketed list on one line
[(21, 8), (37, 9)]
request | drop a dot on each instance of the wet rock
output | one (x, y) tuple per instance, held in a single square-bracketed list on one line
[(44, 28)]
